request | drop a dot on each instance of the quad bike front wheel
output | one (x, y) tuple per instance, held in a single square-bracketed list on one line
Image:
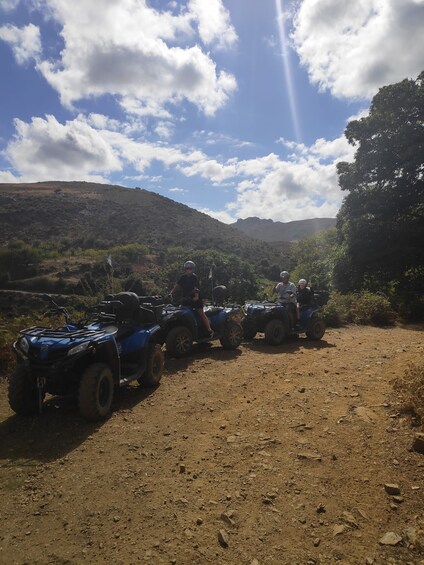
[(179, 341), (23, 392), (154, 370), (315, 328), (96, 392), (232, 335), (275, 332)]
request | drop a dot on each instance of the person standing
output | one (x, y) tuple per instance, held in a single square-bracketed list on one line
[(287, 295), (188, 283)]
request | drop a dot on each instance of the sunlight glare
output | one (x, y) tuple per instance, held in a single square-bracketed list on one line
[(287, 68)]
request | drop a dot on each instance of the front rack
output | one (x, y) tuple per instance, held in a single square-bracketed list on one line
[(39, 331)]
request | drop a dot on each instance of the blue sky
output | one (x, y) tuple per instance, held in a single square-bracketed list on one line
[(234, 107)]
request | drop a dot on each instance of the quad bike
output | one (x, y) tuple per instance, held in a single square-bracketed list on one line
[(273, 319), (117, 344), (181, 326)]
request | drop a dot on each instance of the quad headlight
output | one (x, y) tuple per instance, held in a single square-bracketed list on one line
[(78, 348)]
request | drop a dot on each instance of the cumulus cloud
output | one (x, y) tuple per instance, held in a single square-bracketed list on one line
[(45, 149), (213, 22), (136, 54), (302, 185), (85, 148), (221, 215), (353, 48), (7, 176), (25, 42)]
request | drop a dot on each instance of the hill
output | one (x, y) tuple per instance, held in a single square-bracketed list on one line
[(270, 231), (56, 237), (90, 214)]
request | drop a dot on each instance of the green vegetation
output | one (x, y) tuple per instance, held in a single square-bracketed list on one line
[(364, 307), (381, 223)]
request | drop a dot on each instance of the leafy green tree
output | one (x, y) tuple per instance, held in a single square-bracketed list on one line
[(381, 222), (315, 258)]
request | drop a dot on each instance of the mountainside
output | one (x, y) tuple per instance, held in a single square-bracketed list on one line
[(93, 215), (270, 231)]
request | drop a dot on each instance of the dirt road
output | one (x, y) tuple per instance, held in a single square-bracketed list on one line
[(260, 456)]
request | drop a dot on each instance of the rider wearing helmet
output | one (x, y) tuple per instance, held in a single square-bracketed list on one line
[(189, 286), (287, 295)]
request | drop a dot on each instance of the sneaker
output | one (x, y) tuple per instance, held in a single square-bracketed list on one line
[(210, 335)]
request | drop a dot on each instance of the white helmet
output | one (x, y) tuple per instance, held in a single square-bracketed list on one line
[(302, 281), (284, 274), (189, 265)]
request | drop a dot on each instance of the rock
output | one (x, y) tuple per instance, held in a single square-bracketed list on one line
[(339, 529), (418, 443), (366, 414), (227, 519), (349, 519), (182, 468), (392, 488), (398, 499), (390, 538), (321, 509), (310, 456), (223, 538), (317, 541)]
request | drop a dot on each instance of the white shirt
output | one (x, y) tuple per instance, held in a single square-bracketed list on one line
[(283, 288)]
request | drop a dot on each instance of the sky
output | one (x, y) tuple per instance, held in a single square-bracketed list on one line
[(236, 108)]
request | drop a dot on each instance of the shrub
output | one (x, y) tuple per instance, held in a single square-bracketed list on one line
[(358, 308), (336, 311), (372, 308)]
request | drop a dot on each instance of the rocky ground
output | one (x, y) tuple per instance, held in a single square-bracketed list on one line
[(265, 455)]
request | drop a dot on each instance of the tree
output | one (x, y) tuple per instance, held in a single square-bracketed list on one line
[(315, 258), (380, 225)]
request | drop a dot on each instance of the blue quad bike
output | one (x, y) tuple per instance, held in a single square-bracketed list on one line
[(181, 326), (117, 344), (272, 319)]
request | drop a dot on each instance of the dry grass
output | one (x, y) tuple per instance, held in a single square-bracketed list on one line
[(410, 387)]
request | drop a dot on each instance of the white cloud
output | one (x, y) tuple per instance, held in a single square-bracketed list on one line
[(220, 215), (353, 48), (180, 190), (45, 149), (85, 149), (8, 5), (135, 53), (25, 42), (7, 176), (165, 130), (213, 22)]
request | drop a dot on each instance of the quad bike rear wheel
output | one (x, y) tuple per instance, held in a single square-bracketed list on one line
[(179, 341), (315, 328), (232, 335), (23, 392), (155, 362), (275, 332), (96, 392)]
